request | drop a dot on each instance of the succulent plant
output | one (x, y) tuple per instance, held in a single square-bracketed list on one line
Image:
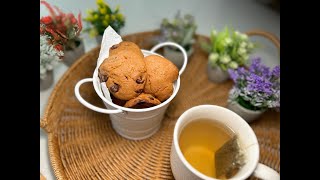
[(228, 49), (180, 30)]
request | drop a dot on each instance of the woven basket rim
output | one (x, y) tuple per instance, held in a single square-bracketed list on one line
[(46, 125)]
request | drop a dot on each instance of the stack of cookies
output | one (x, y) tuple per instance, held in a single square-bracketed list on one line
[(135, 81)]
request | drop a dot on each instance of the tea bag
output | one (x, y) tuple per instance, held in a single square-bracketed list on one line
[(229, 159)]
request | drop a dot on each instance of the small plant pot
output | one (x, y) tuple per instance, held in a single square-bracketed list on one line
[(99, 39), (47, 82), (175, 56), (247, 114), (70, 56), (216, 74)]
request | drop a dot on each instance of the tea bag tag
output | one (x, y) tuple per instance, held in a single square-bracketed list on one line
[(228, 159)]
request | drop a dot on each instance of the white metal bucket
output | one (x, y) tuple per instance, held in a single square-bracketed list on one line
[(134, 124)]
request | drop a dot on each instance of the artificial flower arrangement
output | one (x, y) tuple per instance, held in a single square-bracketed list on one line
[(102, 17), (228, 49), (61, 31), (50, 55), (64, 28), (181, 30), (256, 88)]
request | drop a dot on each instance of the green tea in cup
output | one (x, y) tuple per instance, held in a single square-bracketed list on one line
[(212, 142), (200, 140)]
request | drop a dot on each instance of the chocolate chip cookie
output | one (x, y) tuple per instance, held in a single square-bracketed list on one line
[(124, 71), (125, 47), (161, 73)]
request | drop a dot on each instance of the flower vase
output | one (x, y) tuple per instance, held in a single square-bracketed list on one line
[(216, 74), (175, 56), (71, 55), (47, 81), (247, 114)]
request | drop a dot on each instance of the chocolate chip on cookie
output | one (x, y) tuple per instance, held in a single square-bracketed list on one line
[(142, 101), (103, 78), (114, 46), (140, 80), (114, 88)]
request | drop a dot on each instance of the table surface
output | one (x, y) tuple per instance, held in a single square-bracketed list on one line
[(243, 15)]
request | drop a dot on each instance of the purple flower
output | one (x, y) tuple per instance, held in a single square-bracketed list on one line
[(276, 71), (257, 85), (238, 73)]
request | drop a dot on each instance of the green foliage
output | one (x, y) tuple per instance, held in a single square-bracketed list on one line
[(104, 16), (228, 49), (180, 30)]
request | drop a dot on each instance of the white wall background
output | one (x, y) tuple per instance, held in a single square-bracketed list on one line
[(143, 15)]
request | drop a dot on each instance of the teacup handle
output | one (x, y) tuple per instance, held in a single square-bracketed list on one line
[(264, 172), (87, 104), (184, 53)]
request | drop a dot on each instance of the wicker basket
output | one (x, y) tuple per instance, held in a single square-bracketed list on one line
[(83, 145)]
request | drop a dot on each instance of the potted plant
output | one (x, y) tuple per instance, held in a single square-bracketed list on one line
[(227, 49), (66, 28), (51, 53), (103, 17), (255, 90), (180, 30)]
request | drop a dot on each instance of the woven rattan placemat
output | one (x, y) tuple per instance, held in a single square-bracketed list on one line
[(83, 145)]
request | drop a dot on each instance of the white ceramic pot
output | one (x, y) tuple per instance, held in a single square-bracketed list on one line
[(70, 56), (134, 124), (246, 114), (47, 82), (175, 56), (216, 74), (182, 169)]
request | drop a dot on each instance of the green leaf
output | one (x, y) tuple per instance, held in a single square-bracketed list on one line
[(223, 67), (188, 37), (206, 46), (247, 104)]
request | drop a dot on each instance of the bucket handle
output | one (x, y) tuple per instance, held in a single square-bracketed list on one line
[(184, 53), (87, 104)]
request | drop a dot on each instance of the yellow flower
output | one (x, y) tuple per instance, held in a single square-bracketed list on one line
[(120, 17), (100, 2), (107, 17), (113, 17), (95, 17), (105, 23), (89, 18), (103, 10)]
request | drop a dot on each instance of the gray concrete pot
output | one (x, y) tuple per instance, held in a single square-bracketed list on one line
[(175, 56), (247, 114), (47, 82), (70, 56), (216, 74)]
